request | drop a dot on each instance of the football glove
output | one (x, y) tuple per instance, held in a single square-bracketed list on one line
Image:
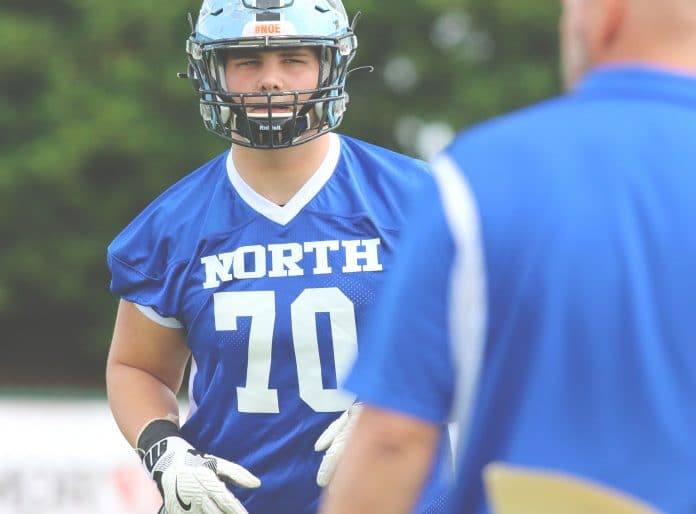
[(333, 440), (190, 481)]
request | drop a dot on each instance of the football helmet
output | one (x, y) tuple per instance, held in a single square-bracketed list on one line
[(248, 118)]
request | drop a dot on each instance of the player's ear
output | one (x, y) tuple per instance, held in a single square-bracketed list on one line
[(604, 21), (613, 16)]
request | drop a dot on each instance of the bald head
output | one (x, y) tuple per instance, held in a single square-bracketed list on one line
[(657, 23), (674, 10), (654, 32)]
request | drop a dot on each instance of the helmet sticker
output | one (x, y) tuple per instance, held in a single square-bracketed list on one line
[(272, 28)]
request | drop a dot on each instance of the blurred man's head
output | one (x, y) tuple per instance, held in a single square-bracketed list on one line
[(596, 32)]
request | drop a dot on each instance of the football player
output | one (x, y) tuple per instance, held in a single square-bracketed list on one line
[(259, 267)]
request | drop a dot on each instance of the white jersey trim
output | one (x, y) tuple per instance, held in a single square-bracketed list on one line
[(193, 406), (283, 215), (160, 320), (468, 298)]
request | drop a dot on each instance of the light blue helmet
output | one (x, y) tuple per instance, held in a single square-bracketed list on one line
[(248, 118)]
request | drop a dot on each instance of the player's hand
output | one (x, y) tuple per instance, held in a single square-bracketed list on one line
[(192, 482), (333, 440)]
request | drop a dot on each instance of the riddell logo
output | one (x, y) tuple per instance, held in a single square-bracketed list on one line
[(267, 28)]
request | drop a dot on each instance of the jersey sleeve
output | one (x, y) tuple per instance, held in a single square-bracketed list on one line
[(144, 269), (423, 347), (404, 362)]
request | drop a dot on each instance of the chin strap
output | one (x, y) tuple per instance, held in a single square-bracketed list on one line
[(278, 133)]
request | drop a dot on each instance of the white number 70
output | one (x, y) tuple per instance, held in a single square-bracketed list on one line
[(256, 396)]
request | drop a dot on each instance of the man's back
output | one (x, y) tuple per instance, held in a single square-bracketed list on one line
[(552, 264), (586, 223)]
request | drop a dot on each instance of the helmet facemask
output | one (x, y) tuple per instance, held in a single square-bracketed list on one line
[(248, 118)]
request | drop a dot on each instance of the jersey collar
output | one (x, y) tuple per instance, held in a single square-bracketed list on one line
[(283, 215), (639, 80)]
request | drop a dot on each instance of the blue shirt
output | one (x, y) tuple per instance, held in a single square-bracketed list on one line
[(273, 300), (546, 292)]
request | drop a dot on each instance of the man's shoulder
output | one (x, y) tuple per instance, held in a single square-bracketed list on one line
[(529, 125)]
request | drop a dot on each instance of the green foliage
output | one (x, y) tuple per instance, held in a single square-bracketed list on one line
[(94, 124)]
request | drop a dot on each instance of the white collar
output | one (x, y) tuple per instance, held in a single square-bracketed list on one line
[(274, 212)]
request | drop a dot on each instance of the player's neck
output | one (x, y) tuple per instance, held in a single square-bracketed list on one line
[(664, 41), (279, 174), (679, 60)]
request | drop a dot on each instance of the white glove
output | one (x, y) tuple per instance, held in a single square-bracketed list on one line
[(191, 482), (334, 438)]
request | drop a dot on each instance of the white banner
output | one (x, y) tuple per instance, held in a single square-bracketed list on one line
[(68, 457)]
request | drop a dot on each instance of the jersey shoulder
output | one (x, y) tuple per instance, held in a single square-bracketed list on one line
[(381, 182), (377, 159), (163, 232), (530, 126), (514, 155)]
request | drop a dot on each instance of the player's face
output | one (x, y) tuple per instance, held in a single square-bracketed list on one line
[(575, 52), (272, 71)]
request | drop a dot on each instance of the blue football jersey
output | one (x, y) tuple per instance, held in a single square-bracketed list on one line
[(552, 255), (273, 300)]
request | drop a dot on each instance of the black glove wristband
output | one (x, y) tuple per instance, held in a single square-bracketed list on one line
[(154, 432)]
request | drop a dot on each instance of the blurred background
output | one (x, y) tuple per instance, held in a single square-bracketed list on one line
[(94, 124)]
